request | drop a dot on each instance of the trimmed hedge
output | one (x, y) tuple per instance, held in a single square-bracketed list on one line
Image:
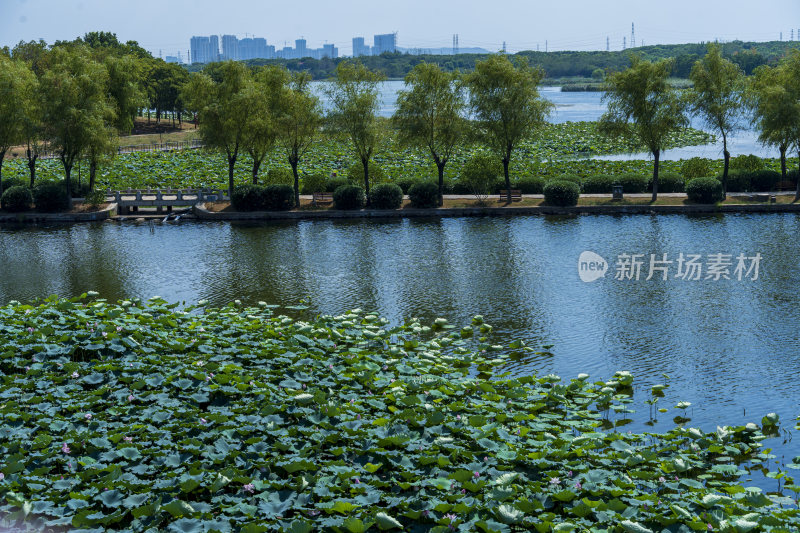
[(332, 184), (598, 184), (386, 196), (633, 183), (313, 183), (406, 183), (248, 197), (279, 176), (565, 177), (562, 193), (669, 182), (348, 197), (424, 195), (16, 199), (764, 180), (529, 185), (704, 190), (746, 163), (50, 197), (696, 167), (279, 197)]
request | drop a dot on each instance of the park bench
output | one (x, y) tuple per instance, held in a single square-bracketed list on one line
[(322, 198), (516, 195)]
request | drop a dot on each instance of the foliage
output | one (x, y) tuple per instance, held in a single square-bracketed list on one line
[(387, 196), (424, 195), (138, 415), (704, 190), (278, 197), (530, 185), (633, 183), (739, 181), (278, 176), (430, 114), (16, 199), (248, 197), (479, 174), (50, 197), (763, 180), (94, 198), (334, 183), (506, 105), (264, 97), (355, 174), (643, 105), (695, 167), (670, 182), (17, 87), (561, 193), (348, 197), (747, 163), (599, 184), (314, 183)]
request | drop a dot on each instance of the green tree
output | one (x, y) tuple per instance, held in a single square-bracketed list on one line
[(773, 109), (33, 127), (265, 95), (717, 98), (125, 90), (17, 89), (430, 114), (221, 102), (354, 101), (506, 105), (298, 121), (789, 79), (642, 105), (75, 104)]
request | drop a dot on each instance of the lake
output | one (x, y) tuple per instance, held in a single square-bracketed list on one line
[(730, 347), (588, 106)]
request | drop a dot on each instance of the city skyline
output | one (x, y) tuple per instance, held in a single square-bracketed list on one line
[(552, 27)]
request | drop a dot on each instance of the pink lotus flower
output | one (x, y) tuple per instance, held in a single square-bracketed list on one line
[(75, 375), (2, 476), (65, 448), (555, 481), (203, 420), (128, 439), (578, 485), (88, 416), (476, 475), (130, 397), (249, 488)]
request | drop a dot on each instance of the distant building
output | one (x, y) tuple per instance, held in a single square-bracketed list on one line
[(300, 48), (172, 59), (359, 48), (329, 51), (254, 48), (230, 47), (204, 49), (386, 42)]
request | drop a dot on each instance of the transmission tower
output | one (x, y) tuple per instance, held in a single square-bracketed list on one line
[(780, 39), (455, 44), (608, 44), (623, 43), (792, 34), (545, 45), (633, 37), (504, 47)]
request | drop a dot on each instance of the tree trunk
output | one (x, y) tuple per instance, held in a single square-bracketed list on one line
[(231, 165), (782, 148), (797, 192), (293, 161), (365, 162), (2, 158), (506, 161), (656, 155), (727, 155), (440, 166), (92, 173), (68, 181), (256, 166), (32, 156)]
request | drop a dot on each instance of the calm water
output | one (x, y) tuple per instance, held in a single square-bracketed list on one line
[(588, 105), (728, 345)]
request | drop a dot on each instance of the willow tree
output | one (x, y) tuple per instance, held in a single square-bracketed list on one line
[(506, 106), (265, 95), (430, 114), (716, 96), (643, 106), (354, 101), (220, 97), (75, 104), (772, 106), (298, 122), (17, 91)]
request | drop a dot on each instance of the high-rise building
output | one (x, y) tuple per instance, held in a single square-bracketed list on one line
[(300, 48), (359, 48), (230, 47), (329, 51), (386, 42), (204, 49)]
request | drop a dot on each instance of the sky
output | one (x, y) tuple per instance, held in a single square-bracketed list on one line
[(165, 26)]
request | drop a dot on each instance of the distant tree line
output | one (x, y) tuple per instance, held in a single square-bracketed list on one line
[(746, 55)]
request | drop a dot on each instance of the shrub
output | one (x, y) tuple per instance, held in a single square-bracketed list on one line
[(704, 190), (355, 174), (78, 190), (406, 183), (248, 197), (94, 198), (424, 195), (16, 198), (764, 180), (332, 184), (669, 182), (50, 196), (348, 197), (456, 187), (313, 183), (696, 167), (747, 163), (529, 185), (632, 183), (561, 193), (278, 197), (386, 196), (792, 175), (479, 175), (13, 182), (279, 176), (738, 181), (574, 178), (598, 184)]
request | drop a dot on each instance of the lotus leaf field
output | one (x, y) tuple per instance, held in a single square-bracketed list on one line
[(200, 168), (142, 416)]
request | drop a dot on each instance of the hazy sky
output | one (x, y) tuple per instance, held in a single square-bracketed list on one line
[(167, 25)]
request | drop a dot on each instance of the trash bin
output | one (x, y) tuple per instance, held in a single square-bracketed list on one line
[(616, 190)]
